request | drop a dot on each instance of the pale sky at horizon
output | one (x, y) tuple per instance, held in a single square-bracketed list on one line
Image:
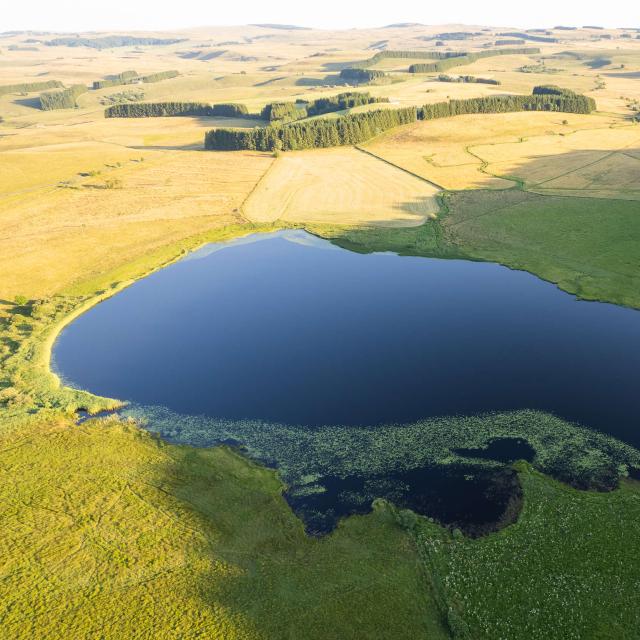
[(74, 15)]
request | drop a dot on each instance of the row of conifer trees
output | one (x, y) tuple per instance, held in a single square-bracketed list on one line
[(167, 109), (468, 58), (63, 99), (67, 98), (26, 87), (444, 55), (283, 112), (129, 77), (445, 78), (274, 112), (570, 103), (357, 75), (160, 75), (312, 134), (356, 128), (126, 77)]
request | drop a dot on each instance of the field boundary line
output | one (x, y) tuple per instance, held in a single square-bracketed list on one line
[(253, 190), (411, 173)]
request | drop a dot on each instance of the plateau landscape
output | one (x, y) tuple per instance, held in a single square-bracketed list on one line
[(320, 333)]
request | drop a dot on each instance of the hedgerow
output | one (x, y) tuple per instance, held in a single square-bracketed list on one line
[(360, 76), (167, 109), (445, 78), (468, 58), (356, 128), (26, 87), (64, 99)]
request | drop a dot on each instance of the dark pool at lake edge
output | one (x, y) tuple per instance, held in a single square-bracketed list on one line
[(475, 500), (291, 329)]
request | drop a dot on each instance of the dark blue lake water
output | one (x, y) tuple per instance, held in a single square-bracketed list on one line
[(291, 329)]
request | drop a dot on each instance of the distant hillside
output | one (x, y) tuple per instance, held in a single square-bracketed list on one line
[(402, 25), (108, 42), (288, 27)]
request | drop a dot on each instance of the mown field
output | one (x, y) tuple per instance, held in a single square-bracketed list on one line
[(498, 151), (344, 185), (109, 532)]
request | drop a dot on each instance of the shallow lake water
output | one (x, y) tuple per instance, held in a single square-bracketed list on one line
[(291, 329)]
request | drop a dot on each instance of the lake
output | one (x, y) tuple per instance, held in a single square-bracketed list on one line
[(288, 328)]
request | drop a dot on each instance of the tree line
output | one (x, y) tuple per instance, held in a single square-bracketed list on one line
[(456, 35), (528, 36), (168, 109), (552, 90), (404, 54), (274, 112), (311, 134), (443, 65), (283, 112), (26, 87), (346, 100), (108, 42), (445, 78), (125, 77), (443, 55), (359, 76), (160, 75), (63, 99), (129, 77), (356, 128), (567, 103)]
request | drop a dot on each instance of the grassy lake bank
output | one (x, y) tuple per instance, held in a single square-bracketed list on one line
[(203, 542)]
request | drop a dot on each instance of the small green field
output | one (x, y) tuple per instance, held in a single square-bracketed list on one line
[(587, 246)]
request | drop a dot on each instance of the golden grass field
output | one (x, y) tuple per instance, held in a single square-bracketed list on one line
[(107, 531), (587, 162), (343, 186), (54, 236), (470, 152), (40, 151)]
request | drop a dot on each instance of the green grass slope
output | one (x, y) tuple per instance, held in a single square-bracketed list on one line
[(110, 533)]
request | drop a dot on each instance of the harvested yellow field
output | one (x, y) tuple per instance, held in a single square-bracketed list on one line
[(342, 186), (445, 151), (171, 133), (55, 236), (616, 175), (599, 162)]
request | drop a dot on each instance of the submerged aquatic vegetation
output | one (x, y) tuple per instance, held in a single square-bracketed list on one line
[(307, 458)]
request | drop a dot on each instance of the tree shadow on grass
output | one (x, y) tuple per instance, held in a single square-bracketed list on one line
[(196, 146), (326, 81), (339, 66), (32, 103)]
